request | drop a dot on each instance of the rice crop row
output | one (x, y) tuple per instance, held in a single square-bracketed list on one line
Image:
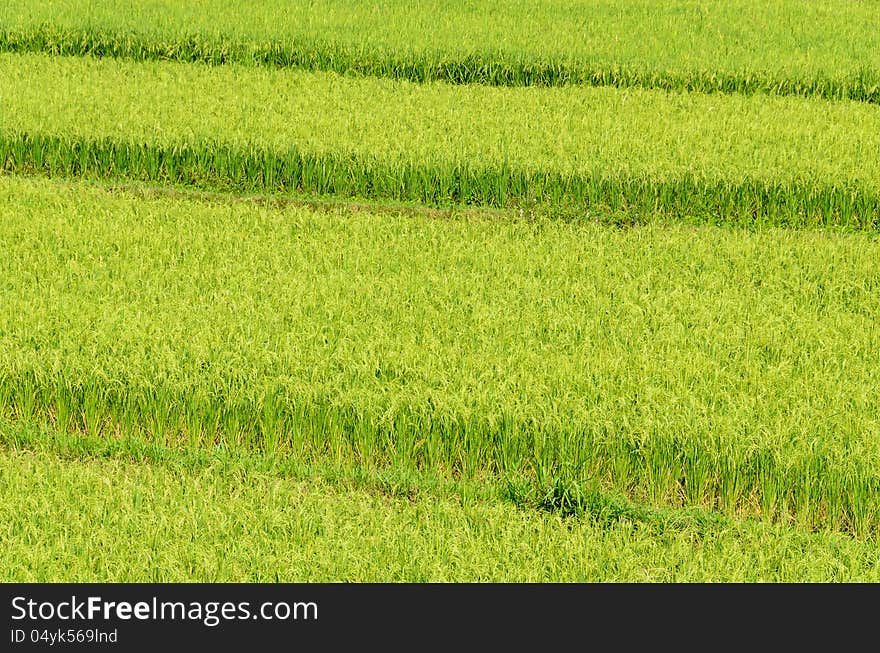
[(780, 160), (680, 366), (226, 168), (137, 522), (825, 49)]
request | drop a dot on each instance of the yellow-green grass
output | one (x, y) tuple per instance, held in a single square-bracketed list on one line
[(700, 366), (74, 518), (824, 48), (707, 157)]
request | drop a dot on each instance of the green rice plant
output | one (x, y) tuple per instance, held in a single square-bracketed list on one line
[(233, 521), (801, 47), (679, 366), (754, 160)]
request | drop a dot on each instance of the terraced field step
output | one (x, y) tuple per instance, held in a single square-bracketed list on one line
[(798, 47), (713, 157), (229, 522), (710, 367)]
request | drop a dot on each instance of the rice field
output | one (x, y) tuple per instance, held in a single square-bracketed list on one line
[(711, 157), (390, 323), (228, 521), (821, 48)]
